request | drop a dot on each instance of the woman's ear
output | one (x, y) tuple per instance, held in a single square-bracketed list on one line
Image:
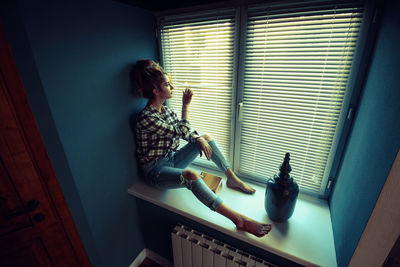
[(155, 91)]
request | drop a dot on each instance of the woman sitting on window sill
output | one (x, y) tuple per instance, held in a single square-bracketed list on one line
[(158, 131)]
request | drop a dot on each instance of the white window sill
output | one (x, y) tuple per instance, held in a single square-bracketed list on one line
[(306, 238)]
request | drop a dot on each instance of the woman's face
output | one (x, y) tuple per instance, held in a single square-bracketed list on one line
[(166, 88)]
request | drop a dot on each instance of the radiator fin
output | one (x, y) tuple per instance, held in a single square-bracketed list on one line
[(191, 248)]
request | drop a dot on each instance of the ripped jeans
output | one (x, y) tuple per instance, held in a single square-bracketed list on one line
[(166, 173)]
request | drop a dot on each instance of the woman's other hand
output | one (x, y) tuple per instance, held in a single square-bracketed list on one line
[(187, 96), (203, 146)]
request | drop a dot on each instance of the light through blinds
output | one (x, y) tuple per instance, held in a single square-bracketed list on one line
[(296, 70), (198, 50)]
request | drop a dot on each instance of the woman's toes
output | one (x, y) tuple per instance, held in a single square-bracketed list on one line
[(253, 227), (240, 185)]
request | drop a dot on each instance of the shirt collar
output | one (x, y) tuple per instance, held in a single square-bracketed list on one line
[(151, 108)]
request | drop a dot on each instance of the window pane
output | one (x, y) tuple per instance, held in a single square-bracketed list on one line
[(199, 51), (296, 70)]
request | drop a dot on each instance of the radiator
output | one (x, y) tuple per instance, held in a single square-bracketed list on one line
[(194, 249)]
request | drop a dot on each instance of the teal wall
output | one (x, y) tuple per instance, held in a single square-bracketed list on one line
[(74, 59), (374, 140)]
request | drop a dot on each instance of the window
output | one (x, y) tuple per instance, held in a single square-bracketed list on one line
[(268, 79), (201, 52)]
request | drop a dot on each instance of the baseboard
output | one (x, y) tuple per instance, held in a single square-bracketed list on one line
[(139, 258), (152, 255)]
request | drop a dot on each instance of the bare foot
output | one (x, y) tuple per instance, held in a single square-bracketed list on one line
[(253, 227), (235, 183)]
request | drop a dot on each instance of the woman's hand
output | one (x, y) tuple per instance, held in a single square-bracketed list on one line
[(187, 96), (203, 146)]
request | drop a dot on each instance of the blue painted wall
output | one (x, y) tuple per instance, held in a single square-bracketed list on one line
[(74, 59), (373, 143)]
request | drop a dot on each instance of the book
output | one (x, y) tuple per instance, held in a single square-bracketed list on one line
[(212, 181)]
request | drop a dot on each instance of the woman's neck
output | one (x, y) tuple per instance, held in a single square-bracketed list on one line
[(157, 103)]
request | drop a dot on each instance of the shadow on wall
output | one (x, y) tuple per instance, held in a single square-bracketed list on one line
[(138, 104)]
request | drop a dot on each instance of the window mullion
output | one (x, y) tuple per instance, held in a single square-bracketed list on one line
[(241, 32)]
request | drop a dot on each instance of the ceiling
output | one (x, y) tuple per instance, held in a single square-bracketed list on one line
[(157, 6)]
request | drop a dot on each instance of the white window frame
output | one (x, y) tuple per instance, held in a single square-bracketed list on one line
[(358, 69)]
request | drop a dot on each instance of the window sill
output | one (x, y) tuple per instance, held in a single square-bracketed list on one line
[(306, 238)]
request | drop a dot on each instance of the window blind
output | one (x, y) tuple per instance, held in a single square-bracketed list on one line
[(199, 50), (297, 64)]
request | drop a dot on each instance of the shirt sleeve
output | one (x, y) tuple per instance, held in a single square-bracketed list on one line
[(191, 137), (157, 125)]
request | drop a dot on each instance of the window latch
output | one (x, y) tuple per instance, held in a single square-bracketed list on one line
[(240, 106)]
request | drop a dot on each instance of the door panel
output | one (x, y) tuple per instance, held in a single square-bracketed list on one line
[(21, 178), (10, 203), (19, 165), (32, 253)]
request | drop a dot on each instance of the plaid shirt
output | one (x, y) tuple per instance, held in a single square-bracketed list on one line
[(159, 133)]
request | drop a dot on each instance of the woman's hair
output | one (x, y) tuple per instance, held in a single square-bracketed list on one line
[(148, 74)]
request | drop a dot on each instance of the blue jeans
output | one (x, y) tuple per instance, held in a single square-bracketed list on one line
[(167, 172)]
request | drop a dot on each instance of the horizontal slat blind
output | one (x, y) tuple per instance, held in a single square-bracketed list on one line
[(199, 50), (297, 65)]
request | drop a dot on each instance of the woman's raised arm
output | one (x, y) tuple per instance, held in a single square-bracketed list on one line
[(186, 99)]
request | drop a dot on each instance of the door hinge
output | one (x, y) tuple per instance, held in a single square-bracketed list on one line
[(329, 185), (350, 113)]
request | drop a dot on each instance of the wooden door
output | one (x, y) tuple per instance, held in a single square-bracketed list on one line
[(36, 228)]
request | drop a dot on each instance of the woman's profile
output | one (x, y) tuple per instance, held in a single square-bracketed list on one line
[(158, 131)]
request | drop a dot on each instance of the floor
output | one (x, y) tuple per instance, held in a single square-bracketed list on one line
[(147, 262)]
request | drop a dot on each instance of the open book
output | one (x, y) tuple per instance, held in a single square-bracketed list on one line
[(212, 181)]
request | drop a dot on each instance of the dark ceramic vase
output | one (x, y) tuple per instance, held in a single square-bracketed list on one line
[(281, 194)]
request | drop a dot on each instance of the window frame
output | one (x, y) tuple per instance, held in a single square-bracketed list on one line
[(359, 68), (228, 11)]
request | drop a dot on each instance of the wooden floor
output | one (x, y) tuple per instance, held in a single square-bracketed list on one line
[(147, 262)]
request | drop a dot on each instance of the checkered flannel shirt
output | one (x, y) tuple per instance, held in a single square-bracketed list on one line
[(159, 133)]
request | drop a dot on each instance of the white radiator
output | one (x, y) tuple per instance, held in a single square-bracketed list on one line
[(194, 249)]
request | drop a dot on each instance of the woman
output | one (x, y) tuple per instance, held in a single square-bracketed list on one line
[(158, 131)]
